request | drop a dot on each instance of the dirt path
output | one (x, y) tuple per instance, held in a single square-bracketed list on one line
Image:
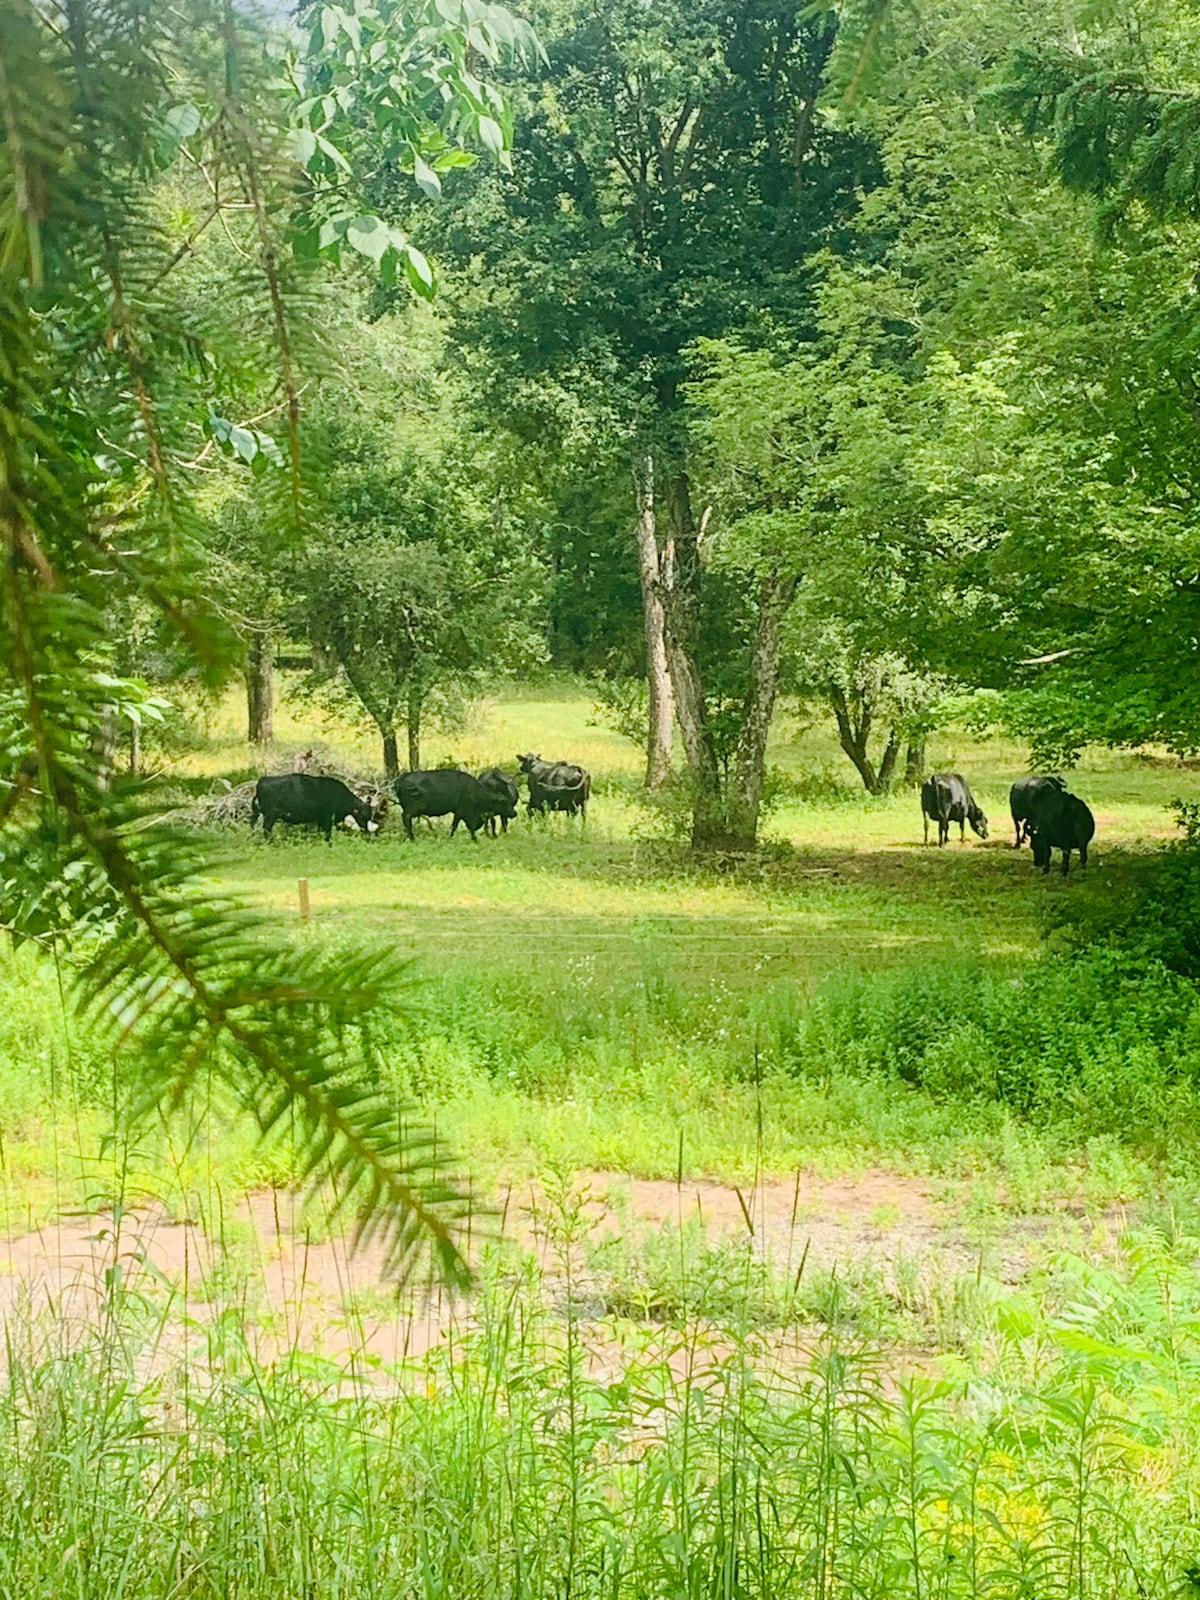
[(320, 1295)]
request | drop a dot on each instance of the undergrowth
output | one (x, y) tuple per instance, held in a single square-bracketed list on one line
[(540, 1452)]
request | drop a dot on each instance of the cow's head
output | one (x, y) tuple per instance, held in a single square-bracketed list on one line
[(368, 815), (502, 796), (978, 822)]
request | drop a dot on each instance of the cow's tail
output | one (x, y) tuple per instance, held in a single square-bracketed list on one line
[(255, 813)]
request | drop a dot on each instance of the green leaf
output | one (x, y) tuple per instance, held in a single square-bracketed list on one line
[(420, 273), (331, 22), (218, 427), (333, 231), (334, 154), (427, 179), (369, 235), (302, 143), (244, 442), (491, 136), (184, 120), (449, 160)]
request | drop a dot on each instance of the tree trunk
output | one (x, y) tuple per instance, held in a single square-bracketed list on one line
[(887, 767), (412, 723), (854, 737), (681, 618), (135, 748), (382, 714), (914, 762), (658, 672), (775, 596), (104, 746), (260, 689)]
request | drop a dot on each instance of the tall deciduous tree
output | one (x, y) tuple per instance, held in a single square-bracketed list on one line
[(673, 177)]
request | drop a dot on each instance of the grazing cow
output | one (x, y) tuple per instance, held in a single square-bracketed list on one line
[(1063, 822), (556, 785), (506, 792), (299, 797), (1024, 798), (448, 791), (947, 798)]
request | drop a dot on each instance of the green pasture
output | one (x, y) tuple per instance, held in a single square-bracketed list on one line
[(591, 997), (966, 1169), (854, 886)]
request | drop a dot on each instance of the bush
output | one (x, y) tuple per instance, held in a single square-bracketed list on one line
[(1099, 1041)]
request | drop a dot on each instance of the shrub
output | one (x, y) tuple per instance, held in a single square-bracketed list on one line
[(1101, 1041)]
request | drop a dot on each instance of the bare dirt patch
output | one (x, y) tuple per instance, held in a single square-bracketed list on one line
[(298, 1292)]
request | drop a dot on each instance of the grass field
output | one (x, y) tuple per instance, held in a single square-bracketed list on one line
[(833, 1212)]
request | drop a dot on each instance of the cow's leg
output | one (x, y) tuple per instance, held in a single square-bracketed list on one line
[(1083, 855), (925, 820), (943, 831), (326, 826), (268, 824), (454, 824), (1066, 866), (408, 821)]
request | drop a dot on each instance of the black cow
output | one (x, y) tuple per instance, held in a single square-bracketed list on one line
[(506, 793), (301, 797), (447, 791), (1024, 798), (947, 798), (556, 785), (1061, 821)]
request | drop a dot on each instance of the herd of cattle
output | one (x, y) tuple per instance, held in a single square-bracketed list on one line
[(307, 799), (1044, 811)]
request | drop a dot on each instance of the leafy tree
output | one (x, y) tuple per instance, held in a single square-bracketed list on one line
[(96, 345), (673, 176), (412, 626)]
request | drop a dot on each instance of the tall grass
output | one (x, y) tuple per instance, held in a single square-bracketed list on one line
[(1080, 1069), (537, 1453)]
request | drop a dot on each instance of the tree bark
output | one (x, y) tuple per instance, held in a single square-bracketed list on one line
[(775, 596), (135, 748), (855, 739), (853, 736), (412, 724), (103, 747), (914, 762), (260, 689), (658, 672), (681, 619), (381, 714), (887, 767)]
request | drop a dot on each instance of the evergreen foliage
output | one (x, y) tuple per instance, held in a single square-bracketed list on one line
[(108, 373)]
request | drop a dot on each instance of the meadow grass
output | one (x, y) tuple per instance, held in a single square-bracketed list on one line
[(592, 997), (541, 1452), (994, 1394)]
